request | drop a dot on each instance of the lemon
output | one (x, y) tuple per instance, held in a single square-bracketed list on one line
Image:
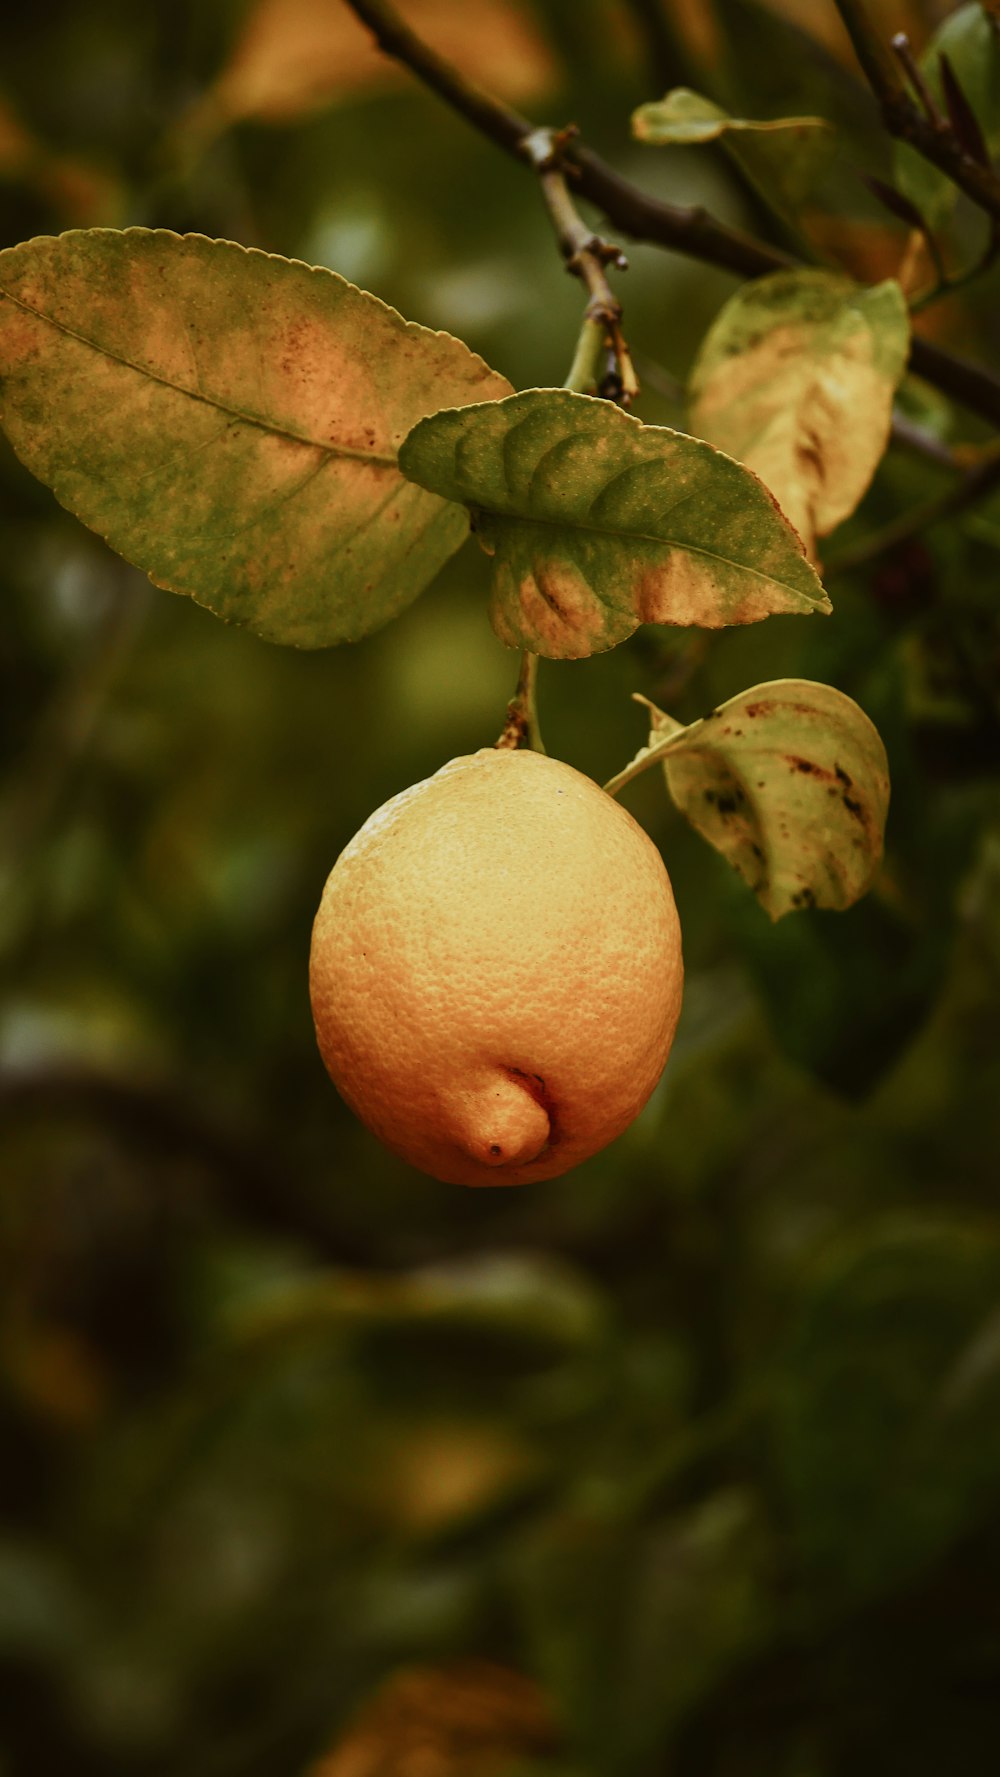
[(496, 970)]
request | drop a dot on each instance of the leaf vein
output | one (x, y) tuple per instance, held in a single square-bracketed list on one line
[(236, 413)]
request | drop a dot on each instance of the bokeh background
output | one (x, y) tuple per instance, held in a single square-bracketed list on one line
[(689, 1462)]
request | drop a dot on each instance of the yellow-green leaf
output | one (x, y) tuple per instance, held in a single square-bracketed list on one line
[(784, 157), (685, 117), (790, 782), (229, 422), (796, 378), (596, 523)]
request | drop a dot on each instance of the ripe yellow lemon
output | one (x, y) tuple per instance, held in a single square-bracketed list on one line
[(496, 970)]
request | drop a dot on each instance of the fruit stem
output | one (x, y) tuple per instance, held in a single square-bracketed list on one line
[(521, 724)]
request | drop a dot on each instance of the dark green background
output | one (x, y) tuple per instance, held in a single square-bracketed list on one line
[(705, 1436)]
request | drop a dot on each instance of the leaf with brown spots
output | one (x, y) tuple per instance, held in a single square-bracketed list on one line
[(229, 422), (790, 782), (796, 378), (597, 523)]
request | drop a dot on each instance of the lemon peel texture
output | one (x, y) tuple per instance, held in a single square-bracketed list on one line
[(496, 970)]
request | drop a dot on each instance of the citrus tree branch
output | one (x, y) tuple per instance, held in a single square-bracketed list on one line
[(930, 135), (681, 229), (504, 126), (586, 256)]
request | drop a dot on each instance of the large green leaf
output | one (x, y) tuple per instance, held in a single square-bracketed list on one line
[(796, 378), (597, 523), (789, 781), (229, 421)]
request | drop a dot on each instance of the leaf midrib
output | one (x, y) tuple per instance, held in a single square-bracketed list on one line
[(235, 413), (647, 537)]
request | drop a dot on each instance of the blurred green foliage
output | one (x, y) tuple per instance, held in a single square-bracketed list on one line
[(703, 1437)]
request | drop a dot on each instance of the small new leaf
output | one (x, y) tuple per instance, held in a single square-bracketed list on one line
[(796, 378), (790, 782), (684, 118), (596, 523), (783, 157), (229, 421)]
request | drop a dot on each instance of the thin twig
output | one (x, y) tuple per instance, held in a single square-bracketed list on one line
[(394, 37), (905, 120), (521, 723), (586, 255), (911, 68), (688, 230)]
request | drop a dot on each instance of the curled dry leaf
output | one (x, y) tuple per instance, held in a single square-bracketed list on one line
[(229, 420), (796, 378), (790, 782), (596, 523)]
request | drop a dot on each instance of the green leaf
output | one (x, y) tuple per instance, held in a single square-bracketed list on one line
[(229, 422), (596, 523), (796, 378), (969, 40), (685, 117), (789, 781), (783, 156)]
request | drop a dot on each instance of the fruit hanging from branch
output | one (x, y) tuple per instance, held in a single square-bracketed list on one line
[(496, 970)]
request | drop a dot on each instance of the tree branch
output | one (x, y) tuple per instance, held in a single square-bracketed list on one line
[(394, 37), (688, 230), (903, 118), (521, 723), (586, 255)]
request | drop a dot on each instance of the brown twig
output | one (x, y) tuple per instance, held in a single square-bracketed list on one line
[(586, 255), (688, 230), (931, 136), (521, 723), (911, 68)]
